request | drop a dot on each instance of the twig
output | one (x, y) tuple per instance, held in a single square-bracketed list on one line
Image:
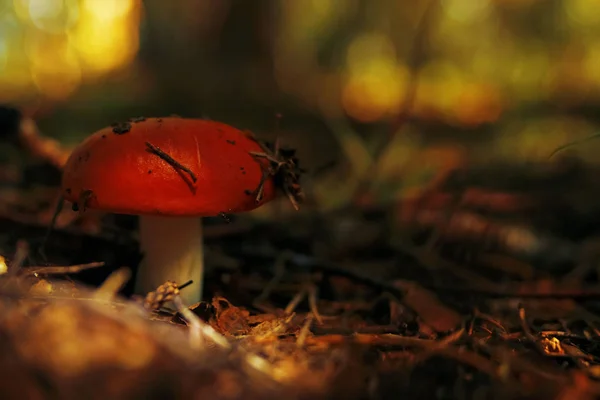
[(113, 284), (279, 268), (310, 263), (574, 143), (387, 339), (301, 338), (312, 303), (283, 168), (469, 357), (170, 160), (50, 228), (490, 319), (186, 284), (294, 302), (440, 345), (40, 146), (19, 258), (56, 270), (525, 324), (198, 329)]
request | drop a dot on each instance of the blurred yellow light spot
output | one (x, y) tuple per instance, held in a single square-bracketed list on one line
[(515, 3), (39, 9), (106, 10), (3, 54), (3, 266), (529, 77), (103, 46), (59, 78), (50, 45), (583, 12), (54, 16), (21, 9), (466, 10), (374, 91), (478, 104), (106, 37), (446, 82), (375, 82), (368, 47), (591, 63)]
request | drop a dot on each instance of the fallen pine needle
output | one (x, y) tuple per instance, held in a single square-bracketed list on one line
[(113, 284), (57, 270)]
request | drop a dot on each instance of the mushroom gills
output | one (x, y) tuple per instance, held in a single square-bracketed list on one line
[(173, 251)]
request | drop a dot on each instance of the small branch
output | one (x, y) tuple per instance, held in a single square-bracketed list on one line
[(113, 284), (198, 329), (310, 263), (57, 270), (305, 330), (170, 160), (59, 206), (186, 284)]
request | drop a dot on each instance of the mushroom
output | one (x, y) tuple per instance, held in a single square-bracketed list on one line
[(170, 172)]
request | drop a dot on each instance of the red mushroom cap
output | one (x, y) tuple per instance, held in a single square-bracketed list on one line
[(116, 170)]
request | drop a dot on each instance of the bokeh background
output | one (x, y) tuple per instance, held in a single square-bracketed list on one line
[(492, 79)]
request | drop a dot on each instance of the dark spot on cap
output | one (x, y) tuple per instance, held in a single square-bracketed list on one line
[(149, 171), (159, 120), (219, 130), (243, 172), (137, 119), (103, 136), (231, 142), (68, 190), (242, 168), (248, 192), (120, 128), (75, 207)]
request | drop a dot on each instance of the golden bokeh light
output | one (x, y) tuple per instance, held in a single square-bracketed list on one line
[(108, 10), (104, 44), (3, 266), (374, 91), (478, 104), (3, 53), (591, 64), (583, 12), (375, 80), (60, 78), (49, 47), (466, 10)]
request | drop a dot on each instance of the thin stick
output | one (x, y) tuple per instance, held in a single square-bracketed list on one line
[(574, 143), (69, 269), (57, 211), (306, 262), (19, 258), (170, 160), (301, 338), (295, 301), (198, 329), (113, 284), (312, 302), (183, 286)]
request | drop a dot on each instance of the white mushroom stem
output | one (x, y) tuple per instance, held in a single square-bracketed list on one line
[(173, 251)]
